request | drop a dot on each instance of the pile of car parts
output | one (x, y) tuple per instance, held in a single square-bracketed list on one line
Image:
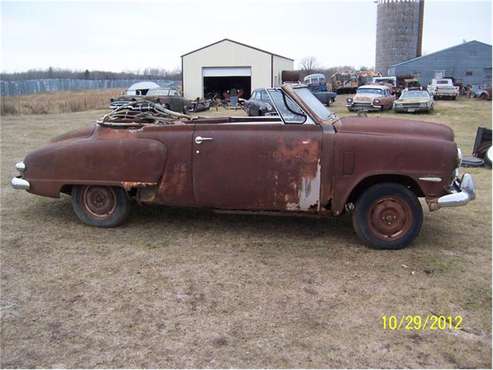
[(142, 112)]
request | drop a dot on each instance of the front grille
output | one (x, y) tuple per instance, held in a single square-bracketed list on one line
[(412, 105), (362, 105)]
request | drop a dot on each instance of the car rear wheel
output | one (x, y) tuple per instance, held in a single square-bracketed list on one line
[(101, 206), (388, 216)]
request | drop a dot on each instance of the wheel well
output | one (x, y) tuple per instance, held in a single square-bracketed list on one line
[(373, 180), (66, 189)]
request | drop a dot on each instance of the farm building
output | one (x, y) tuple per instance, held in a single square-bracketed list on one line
[(468, 63), (228, 64)]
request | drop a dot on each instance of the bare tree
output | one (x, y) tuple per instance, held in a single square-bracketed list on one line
[(308, 64)]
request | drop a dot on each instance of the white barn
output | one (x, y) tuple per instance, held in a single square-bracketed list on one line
[(228, 64)]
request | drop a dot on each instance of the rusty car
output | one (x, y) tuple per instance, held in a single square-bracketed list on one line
[(371, 98), (304, 161), (170, 98)]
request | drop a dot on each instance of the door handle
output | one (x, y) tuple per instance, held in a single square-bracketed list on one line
[(200, 139)]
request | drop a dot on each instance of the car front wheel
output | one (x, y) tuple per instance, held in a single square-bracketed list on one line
[(388, 216), (101, 206)]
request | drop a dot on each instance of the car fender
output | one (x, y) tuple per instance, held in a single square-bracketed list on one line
[(127, 161)]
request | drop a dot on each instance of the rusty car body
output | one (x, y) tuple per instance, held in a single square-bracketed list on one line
[(371, 98), (304, 161), (170, 98)]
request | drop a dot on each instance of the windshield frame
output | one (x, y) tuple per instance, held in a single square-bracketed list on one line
[(290, 90)]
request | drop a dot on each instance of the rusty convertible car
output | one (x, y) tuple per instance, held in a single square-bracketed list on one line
[(305, 161)]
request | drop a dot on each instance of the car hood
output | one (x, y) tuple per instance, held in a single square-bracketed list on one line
[(413, 100), (393, 127)]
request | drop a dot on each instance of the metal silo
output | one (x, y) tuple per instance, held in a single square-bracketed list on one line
[(399, 32)]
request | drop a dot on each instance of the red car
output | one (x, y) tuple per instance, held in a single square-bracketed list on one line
[(305, 160)]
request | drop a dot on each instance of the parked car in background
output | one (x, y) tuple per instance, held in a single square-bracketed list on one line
[(390, 81), (169, 98), (371, 98), (259, 104), (318, 86), (484, 94), (443, 88), (414, 100), (306, 160)]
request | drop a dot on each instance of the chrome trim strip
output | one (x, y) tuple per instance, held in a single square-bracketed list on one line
[(19, 184), (431, 179)]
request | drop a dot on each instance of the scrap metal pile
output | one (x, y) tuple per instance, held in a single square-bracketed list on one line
[(142, 112)]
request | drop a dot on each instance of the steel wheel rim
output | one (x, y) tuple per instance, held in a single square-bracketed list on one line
[(99, 201), (390, 218)]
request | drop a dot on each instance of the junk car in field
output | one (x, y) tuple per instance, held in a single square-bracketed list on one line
[(412, 101), (371, 98), (170, 98), (305, 160), (259, 104), (443, 88), (318, 86)]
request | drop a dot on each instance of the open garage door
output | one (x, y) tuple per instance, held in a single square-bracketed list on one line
[(218, 80)]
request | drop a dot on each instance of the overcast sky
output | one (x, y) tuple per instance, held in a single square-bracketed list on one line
[(124, 35)]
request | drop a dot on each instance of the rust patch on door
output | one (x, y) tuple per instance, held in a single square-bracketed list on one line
[(301, 161)]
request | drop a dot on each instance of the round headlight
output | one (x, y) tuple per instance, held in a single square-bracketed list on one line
[(376, 101), (349, 100)]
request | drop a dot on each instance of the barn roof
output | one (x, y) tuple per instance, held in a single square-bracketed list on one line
[(239, 43), (440, 51)]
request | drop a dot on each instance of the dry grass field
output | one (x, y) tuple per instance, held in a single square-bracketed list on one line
[(57, 102), (190, 288)]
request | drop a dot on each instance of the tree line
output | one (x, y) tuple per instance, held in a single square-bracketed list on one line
[(60, 73), (309, 65)]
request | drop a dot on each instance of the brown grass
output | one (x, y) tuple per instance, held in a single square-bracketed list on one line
[(188, 288), (57, 102)]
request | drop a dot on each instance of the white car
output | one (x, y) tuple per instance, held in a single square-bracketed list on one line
[(443, 88)]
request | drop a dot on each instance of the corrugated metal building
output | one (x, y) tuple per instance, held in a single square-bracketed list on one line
[(228, 64), (469, 63)]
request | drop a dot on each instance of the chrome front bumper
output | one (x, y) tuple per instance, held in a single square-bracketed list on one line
[(462, 192), (18, 182)]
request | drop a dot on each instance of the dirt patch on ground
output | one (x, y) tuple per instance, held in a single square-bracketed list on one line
[(188, 288)]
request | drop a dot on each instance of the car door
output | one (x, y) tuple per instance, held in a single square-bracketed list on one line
[(257, 166)]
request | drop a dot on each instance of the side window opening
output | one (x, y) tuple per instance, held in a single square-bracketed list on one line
[(288, 109)]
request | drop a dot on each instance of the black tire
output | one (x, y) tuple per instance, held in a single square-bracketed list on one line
[(487, 157), (101, 206), (388, 216)]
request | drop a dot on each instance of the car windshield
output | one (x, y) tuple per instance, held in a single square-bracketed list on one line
[(368, 90), (415, 94), (315, 105), (442, 82)]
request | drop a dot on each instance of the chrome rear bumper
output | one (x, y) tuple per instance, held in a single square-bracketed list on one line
[(462, 192)]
